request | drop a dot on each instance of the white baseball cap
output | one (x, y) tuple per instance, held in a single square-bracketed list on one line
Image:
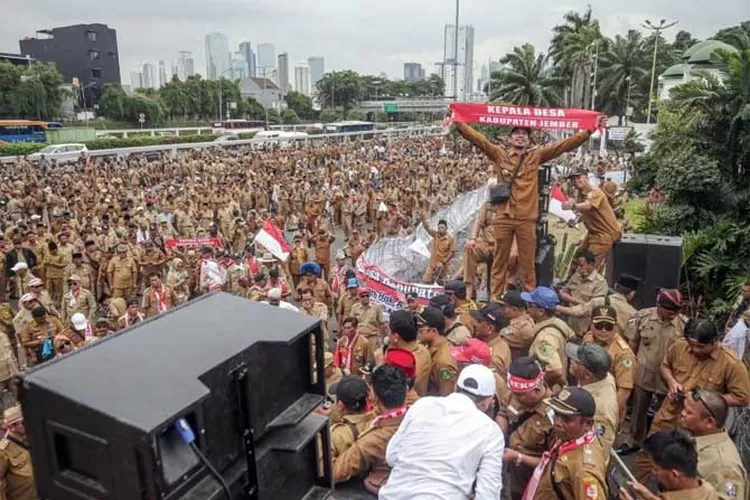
[(477, 380), (79, 321), (18, 266), (274, 294)]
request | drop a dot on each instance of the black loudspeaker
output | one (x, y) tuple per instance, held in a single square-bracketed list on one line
[(655, 259), (245, 376), (545, 261)]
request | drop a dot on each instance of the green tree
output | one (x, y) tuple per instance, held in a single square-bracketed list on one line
[(683, 40), (621, 67), (273, 117), (527, 79), (33, 91), (289, 117), (329, 115), (255, 110), (339, 88), (734, 35), (112, 102), (301, 104), (355, 114)]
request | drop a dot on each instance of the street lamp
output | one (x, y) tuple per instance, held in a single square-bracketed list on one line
[(657, 31), (262, 70), (628, 110), (455, 56)]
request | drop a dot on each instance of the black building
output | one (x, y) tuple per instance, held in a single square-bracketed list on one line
[(86, 52)]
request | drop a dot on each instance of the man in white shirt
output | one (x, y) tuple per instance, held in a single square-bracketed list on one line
[(274, 299), (446, 444)]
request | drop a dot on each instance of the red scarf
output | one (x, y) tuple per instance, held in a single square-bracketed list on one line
[(559, 448), (345, 361), (252, 264), (390, 414), (161, 297), (139, 317)]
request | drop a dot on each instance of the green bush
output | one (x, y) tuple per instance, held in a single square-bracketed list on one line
[(25, 148), (20, 148)]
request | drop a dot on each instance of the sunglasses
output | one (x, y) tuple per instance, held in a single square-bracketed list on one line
[(696, 394), (607, 327)]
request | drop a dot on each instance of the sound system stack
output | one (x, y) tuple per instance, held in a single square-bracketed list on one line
[(656, 260), (544, 258), (245, 376)]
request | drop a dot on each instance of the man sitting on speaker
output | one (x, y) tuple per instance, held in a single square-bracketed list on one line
[(597, 215), (367, 454)]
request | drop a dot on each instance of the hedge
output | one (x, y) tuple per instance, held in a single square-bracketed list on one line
[(25, 148)]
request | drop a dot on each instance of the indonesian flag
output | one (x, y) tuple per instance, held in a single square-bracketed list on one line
[(556, 199), (419, 247), (273, 240)]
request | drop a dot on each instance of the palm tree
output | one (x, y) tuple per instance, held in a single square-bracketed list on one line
[(526, 80), (621, 67), (574, 22)]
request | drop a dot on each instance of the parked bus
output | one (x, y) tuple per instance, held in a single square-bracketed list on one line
[(349, 126), (238, 126), (22, 131)]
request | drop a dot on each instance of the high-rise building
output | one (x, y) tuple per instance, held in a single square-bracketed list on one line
[(136, 80), (175, 71), (149, 79), (247, 52), (162, 74), (302, 78), (284, 72), (317, 69), (239, 67), (413, 72), (217, 56), (266, 61), (87, 52), (461, 63), (185, 64)]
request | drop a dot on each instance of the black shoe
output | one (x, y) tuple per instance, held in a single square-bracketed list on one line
[(627, 450)]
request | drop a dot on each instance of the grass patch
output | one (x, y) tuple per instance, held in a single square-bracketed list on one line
[(635, 211)]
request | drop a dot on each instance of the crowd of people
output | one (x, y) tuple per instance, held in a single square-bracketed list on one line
[(523, 396)]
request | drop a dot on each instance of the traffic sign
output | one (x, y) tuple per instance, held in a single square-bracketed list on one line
[(618, 133), (142, 117), (391, 108)]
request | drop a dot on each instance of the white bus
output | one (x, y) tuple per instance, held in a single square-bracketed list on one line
[(238, 126), (349, 126)]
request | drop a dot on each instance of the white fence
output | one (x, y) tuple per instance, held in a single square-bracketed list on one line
[(174, 149)]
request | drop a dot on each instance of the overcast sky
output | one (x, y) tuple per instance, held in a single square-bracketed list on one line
[(369, 36)]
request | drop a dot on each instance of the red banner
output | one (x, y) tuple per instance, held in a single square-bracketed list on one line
[(505, 115), (389, 292), (192, 242)]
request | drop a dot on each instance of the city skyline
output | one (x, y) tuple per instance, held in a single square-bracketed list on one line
[(371, 30)]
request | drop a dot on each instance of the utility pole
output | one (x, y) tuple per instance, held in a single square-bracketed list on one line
[(594, 76), (455, 55), (657, 31)]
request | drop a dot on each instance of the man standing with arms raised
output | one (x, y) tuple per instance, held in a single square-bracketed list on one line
[(517, 215)]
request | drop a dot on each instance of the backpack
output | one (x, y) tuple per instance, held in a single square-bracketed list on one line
[(46, 350)]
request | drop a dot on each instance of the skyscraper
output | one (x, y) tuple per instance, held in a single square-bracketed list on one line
[(217, 56), (162, 74), (462, 63), (266, 61), (185, 64), (247, 52), (136, 80), (302, 80), (413, 72), (239, 66), (317, 69), (284, 72), (149, 81)]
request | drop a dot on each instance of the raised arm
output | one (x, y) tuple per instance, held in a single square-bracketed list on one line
[(479, 140)]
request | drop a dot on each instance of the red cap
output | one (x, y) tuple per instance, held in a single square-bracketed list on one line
[(363, 290), (473, 351), (403, 359), (670, 299)]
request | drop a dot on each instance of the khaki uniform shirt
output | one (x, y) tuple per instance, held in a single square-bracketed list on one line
[(35, 331), (457, 334), (500, 353), (443, 247), (703, 492), (519, 334), (618, 302), (345, 431), (548, 346), (8, 365), (16, 472), (579, 474), (585, 289), (423, 367), (720, 465), (606, 417), (367, 452), (122, 269), (464, 314), (150, 304), (444, 373), (600, 221), (370, 318), (653, 337), (55, 265), (722, 372), (360, 353), (344, 307), (84, 303), (624, 364), (85, 272)]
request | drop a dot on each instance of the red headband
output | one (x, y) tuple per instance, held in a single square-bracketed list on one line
[(519, 384)]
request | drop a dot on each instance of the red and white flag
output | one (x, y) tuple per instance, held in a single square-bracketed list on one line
[(273, 240), (556, 199)]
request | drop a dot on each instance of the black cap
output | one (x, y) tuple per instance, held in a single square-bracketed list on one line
[(411, 295), (628, 281), (432, 317), (352, 391), (458, 288), (259, 277), (573, 401), (591, 356), (578, 171), (493, 313), (604, 314), (404, 323), (513, 298)]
